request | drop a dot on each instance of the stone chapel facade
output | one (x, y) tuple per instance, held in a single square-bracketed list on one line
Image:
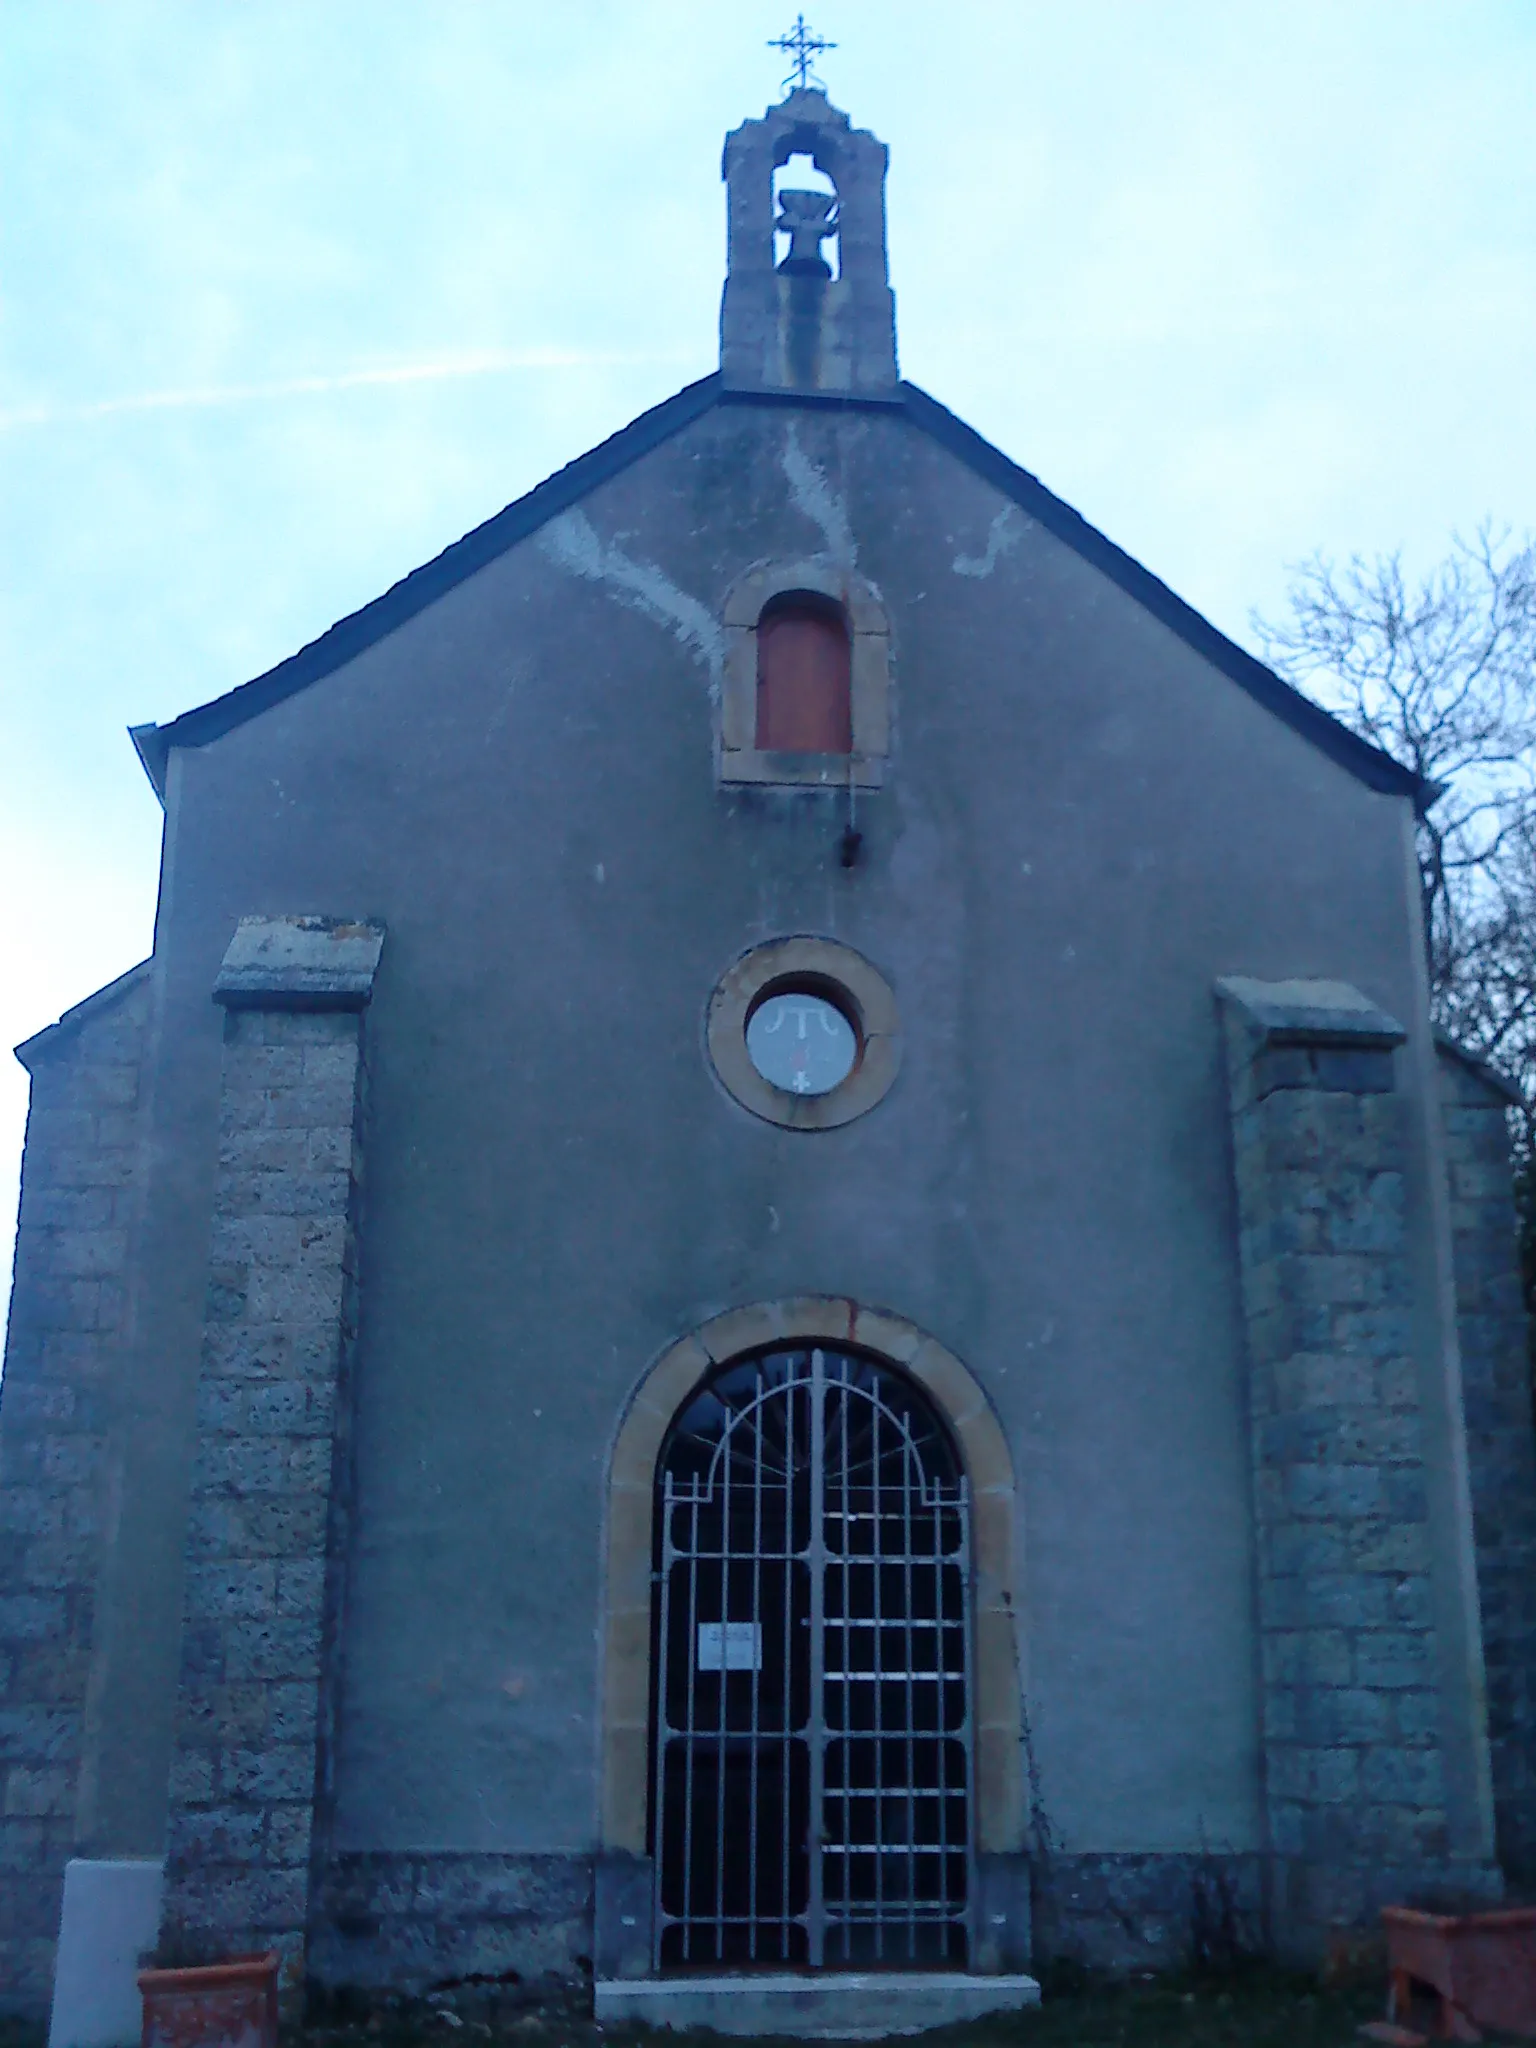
[(776, 1269)]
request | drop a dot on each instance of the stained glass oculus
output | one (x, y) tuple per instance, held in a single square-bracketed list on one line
[(801, 1042)]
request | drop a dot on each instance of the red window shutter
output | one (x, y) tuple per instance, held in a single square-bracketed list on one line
[(803, 702)]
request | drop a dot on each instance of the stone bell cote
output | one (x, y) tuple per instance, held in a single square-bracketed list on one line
[(794, 325)]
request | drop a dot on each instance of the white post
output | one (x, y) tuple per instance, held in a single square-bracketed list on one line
[(110, 1920)]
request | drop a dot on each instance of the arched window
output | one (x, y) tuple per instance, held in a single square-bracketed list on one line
[(804, 665), (805, 691)]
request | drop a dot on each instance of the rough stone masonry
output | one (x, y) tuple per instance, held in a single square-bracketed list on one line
[(1501, 1444), (1354, 1756), (250, 1786), (62, 1363)]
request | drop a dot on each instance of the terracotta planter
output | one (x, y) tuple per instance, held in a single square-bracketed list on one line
[(220, 2005), (1481, 1965)]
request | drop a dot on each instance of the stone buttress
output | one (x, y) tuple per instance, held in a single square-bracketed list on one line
[(250, 1790), (1363, 1735), (1501, 1432)]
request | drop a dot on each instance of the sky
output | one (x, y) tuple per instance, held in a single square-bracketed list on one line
[(291, 296)]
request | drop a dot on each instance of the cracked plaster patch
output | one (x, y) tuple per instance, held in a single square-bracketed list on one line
[(1005, 533), (815, 497), (573, 543)]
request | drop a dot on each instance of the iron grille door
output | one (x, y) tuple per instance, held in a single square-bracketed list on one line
[(812, 1755)]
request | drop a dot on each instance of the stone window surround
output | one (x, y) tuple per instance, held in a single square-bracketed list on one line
[(848, 979), (740, 758), (997, 1656)]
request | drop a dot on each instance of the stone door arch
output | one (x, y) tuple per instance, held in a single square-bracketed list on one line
[(627, 1623)]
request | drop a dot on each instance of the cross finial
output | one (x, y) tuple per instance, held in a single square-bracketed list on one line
[(800, 46)]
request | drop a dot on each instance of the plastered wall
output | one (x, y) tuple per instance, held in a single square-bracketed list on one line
[(1084, 825)]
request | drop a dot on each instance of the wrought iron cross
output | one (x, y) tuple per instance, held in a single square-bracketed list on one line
[(800, 46)]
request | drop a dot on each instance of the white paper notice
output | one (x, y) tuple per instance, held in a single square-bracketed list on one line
[(730, 1646)]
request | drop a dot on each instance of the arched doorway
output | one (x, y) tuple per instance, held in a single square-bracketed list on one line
[(812, 1770)]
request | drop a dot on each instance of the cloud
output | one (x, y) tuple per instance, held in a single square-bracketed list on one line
[(479, 363)]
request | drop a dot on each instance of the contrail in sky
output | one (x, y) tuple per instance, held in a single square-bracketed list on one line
[(481, 363)]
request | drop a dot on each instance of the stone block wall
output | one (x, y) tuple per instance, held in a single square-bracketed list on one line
[(1126, 1912), (1501, 1436), (250, 1792), (1355, 1779), (80, 1179), (384, 1921)]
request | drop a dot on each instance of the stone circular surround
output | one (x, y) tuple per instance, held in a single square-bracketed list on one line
[(822, 967)]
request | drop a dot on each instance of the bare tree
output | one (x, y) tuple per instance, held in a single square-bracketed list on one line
[(1441, 675)]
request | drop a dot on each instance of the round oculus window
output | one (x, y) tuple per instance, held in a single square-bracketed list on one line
[(803, 1032), (801, 1042)]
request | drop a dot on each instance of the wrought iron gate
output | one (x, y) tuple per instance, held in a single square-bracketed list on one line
[(812, 1756)]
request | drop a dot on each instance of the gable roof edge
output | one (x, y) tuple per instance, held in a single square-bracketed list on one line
[(374, 621), (1366, 762), (361, 629), (54, 1036), (1493, 1078)]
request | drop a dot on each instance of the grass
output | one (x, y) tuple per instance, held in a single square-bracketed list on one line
[(1258, 2006), (1255, 2007)]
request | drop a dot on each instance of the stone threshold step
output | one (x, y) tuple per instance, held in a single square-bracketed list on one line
[(826, 2006)]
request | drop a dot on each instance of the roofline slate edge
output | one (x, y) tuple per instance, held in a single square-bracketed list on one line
[(53, 1037), (360, 630)]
